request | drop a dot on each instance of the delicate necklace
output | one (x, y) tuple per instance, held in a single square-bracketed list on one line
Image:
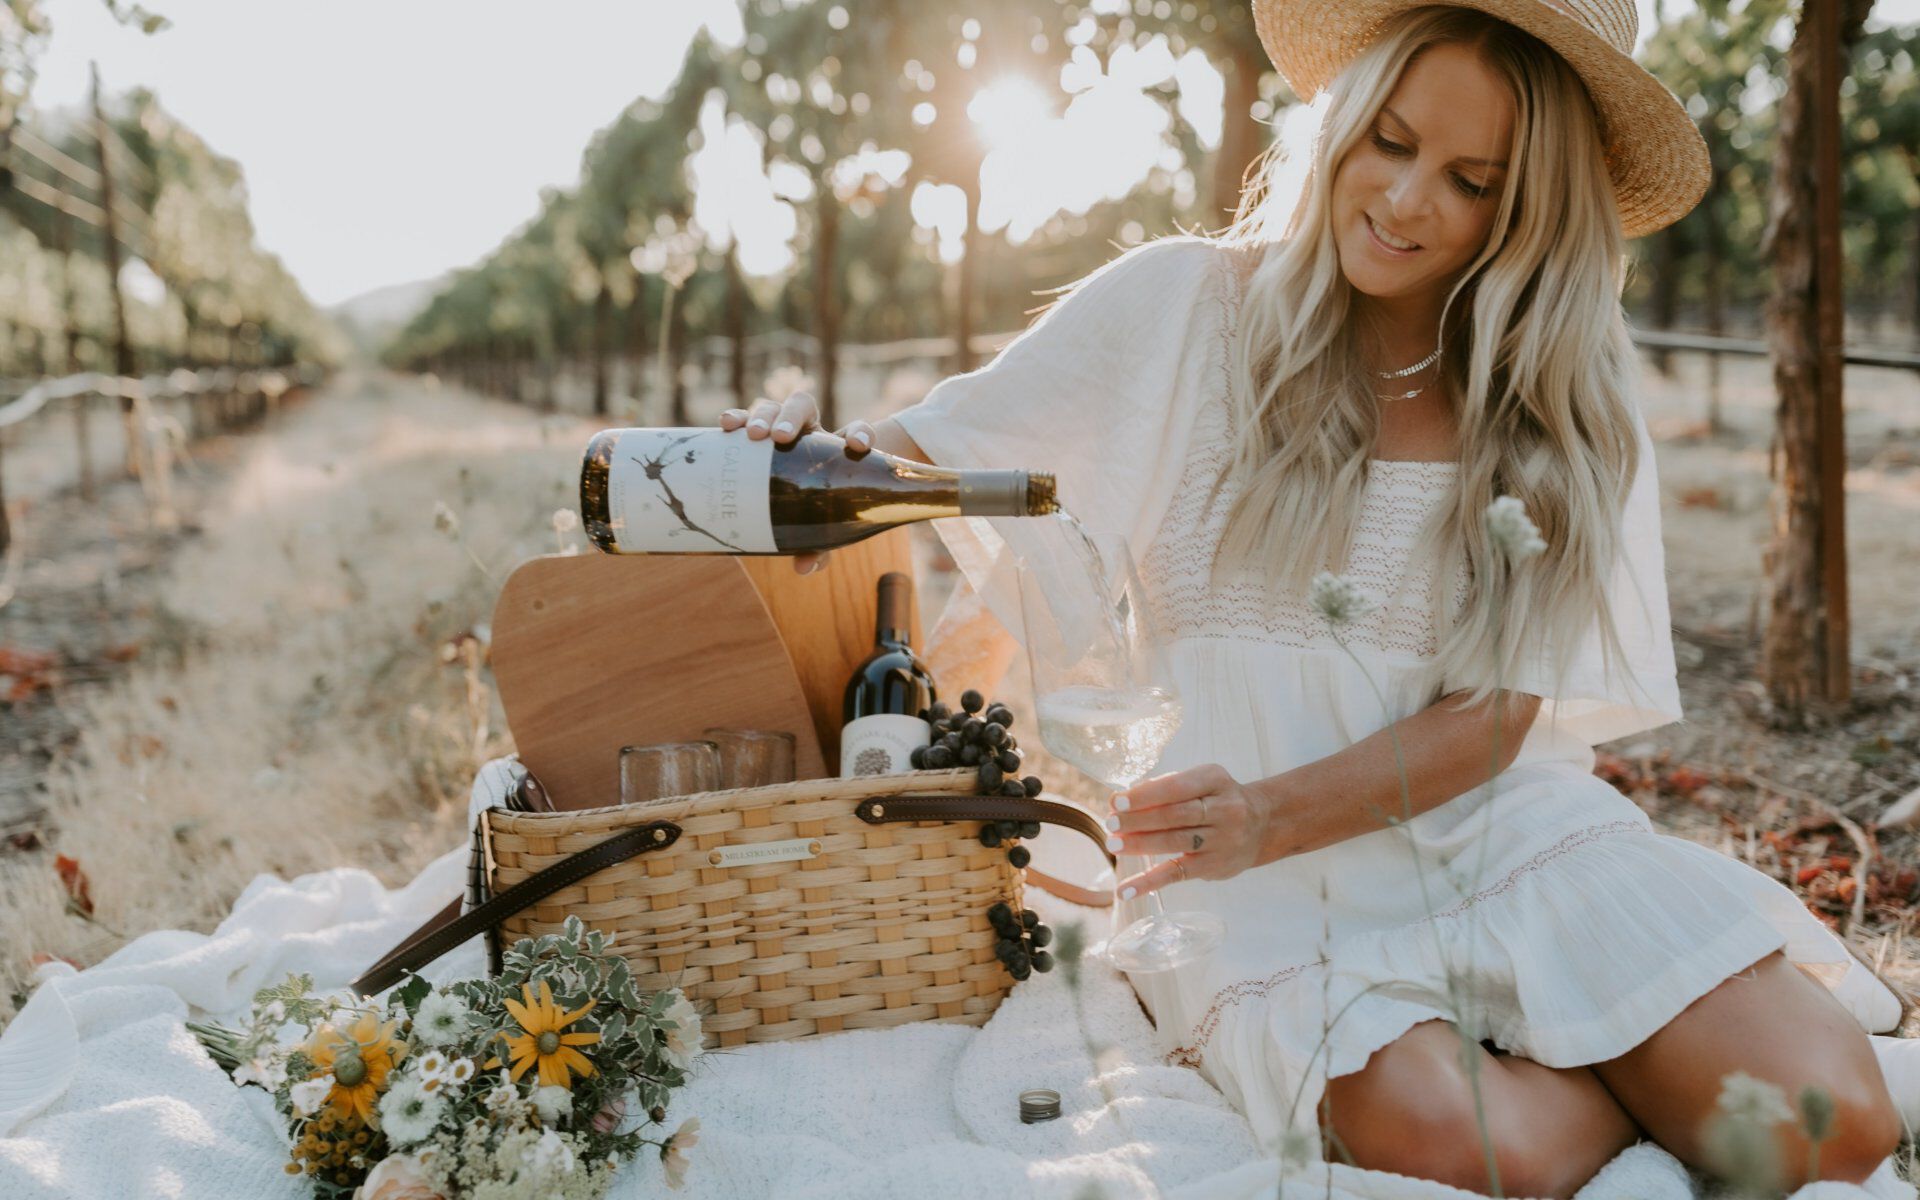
[(1422, 365)]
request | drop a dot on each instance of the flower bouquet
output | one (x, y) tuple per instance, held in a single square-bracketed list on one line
[(519, 1085)]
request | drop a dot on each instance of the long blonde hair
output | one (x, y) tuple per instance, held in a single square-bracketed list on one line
[(1536, 354)]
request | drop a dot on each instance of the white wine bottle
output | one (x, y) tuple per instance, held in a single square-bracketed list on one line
[(880, 714), (710, 491)]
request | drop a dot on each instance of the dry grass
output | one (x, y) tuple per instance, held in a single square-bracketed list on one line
[(312, 720)]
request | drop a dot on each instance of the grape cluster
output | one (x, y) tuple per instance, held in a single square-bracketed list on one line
[(1022, 942), (977, 736)]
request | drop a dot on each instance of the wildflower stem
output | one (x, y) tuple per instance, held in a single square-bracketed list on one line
[(1467, 1044)]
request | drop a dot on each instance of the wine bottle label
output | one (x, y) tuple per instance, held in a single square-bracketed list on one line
[(880, 744), (690, 491)]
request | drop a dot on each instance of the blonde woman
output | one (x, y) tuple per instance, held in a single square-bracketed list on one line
[(1517, 972)]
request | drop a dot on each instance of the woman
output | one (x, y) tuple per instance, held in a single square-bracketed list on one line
[(1519, 976)]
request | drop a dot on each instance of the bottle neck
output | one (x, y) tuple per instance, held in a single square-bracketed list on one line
[(891, 627)]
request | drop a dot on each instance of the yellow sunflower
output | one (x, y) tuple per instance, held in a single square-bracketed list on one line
[(358, 1059), (542, 1041)]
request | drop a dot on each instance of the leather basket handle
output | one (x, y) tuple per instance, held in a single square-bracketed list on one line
[(448, 928), (880, 810)]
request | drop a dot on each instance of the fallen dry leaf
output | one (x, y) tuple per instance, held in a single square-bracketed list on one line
[(74, 880)]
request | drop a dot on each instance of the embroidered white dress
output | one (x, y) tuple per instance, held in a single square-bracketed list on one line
[(1542, 912)]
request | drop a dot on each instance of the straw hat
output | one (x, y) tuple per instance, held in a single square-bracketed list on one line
[(1656, 156)]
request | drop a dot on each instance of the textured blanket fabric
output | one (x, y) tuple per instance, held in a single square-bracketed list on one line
[(103, 1091)]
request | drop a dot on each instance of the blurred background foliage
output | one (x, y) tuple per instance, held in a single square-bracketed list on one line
[(873, 128)]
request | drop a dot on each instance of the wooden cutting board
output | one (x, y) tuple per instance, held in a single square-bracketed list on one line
[(593, 652), (826, 619)]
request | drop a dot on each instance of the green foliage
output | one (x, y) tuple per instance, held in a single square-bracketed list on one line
[(826, 85)]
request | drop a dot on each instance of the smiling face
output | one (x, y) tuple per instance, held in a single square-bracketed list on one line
[(1427, 173)]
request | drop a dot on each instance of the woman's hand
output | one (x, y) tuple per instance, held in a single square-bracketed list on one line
[(1215, 824), (785, 420)]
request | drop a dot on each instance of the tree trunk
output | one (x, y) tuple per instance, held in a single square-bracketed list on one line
[(1913, 160), (1666, 293), (963, 359), (826, 300), (1241, 137), (598, 346), (1804, 654), (637, 341), (677, 365), (123, 364), (1715, 292), (737, 330)]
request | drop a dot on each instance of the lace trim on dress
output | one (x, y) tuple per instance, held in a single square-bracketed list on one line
[(1227, 997), (1399, 496)]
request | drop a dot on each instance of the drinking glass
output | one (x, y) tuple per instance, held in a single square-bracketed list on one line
[(649, 773), (1107, 702), (753, 757)]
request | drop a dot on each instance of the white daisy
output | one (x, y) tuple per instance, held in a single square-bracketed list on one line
[(442, 1020), (431, 1065), (461, 1071), (681, 1021), (408, 1113), (1337, 598)]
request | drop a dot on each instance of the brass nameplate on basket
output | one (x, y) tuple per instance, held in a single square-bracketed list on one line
[(764, 852)]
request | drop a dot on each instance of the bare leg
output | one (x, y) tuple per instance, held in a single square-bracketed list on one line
[(1411, 1110)]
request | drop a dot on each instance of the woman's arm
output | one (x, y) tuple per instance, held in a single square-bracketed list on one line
[(1345, 794), (1356, 790)]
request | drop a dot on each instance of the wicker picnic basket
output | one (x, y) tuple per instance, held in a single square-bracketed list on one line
[(782, 912)]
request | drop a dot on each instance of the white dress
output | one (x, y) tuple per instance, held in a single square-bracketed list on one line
[(1542, 913)]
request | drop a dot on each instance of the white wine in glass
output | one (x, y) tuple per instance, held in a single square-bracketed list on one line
[(1106, 702)]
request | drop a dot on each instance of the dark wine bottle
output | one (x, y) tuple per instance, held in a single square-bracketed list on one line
[(709, 491), (880, 716)]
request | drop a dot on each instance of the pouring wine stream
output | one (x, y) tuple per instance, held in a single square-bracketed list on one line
[(1106, 702)]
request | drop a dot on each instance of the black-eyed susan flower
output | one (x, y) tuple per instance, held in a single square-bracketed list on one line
[(358, 1060), (543, 1041)]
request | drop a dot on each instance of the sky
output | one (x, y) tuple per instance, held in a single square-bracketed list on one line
[(386, 141)]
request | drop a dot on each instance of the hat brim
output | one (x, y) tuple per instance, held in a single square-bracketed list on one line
[(1655, 155)]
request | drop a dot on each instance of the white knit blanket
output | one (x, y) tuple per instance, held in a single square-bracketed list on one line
[(104, 1093)]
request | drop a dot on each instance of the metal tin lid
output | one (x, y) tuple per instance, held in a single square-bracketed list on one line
[(1040, 1104)]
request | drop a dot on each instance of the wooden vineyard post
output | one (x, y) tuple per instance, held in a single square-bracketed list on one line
[(1804, 654), (123, 364)]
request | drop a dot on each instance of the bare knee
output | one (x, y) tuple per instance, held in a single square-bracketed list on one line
[(1866, 1131)]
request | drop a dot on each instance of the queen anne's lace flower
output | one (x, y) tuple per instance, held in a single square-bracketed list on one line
[(1337, 598), (550, 1153), (1512, 530), (1746, 1098)]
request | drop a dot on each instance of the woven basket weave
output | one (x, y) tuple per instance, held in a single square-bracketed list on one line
[(885, 926)]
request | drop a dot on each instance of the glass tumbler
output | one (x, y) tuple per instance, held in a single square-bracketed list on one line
[(753, 757), (649, 773)]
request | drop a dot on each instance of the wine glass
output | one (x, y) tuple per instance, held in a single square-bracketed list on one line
[(1106, 702)]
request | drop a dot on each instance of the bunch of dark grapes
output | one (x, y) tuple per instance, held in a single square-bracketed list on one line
[(1022, 943), (979, 736)]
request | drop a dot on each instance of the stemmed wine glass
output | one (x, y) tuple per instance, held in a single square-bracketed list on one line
[(1106, 702)]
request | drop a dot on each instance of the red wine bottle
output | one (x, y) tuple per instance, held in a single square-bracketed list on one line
[(880, 716)]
